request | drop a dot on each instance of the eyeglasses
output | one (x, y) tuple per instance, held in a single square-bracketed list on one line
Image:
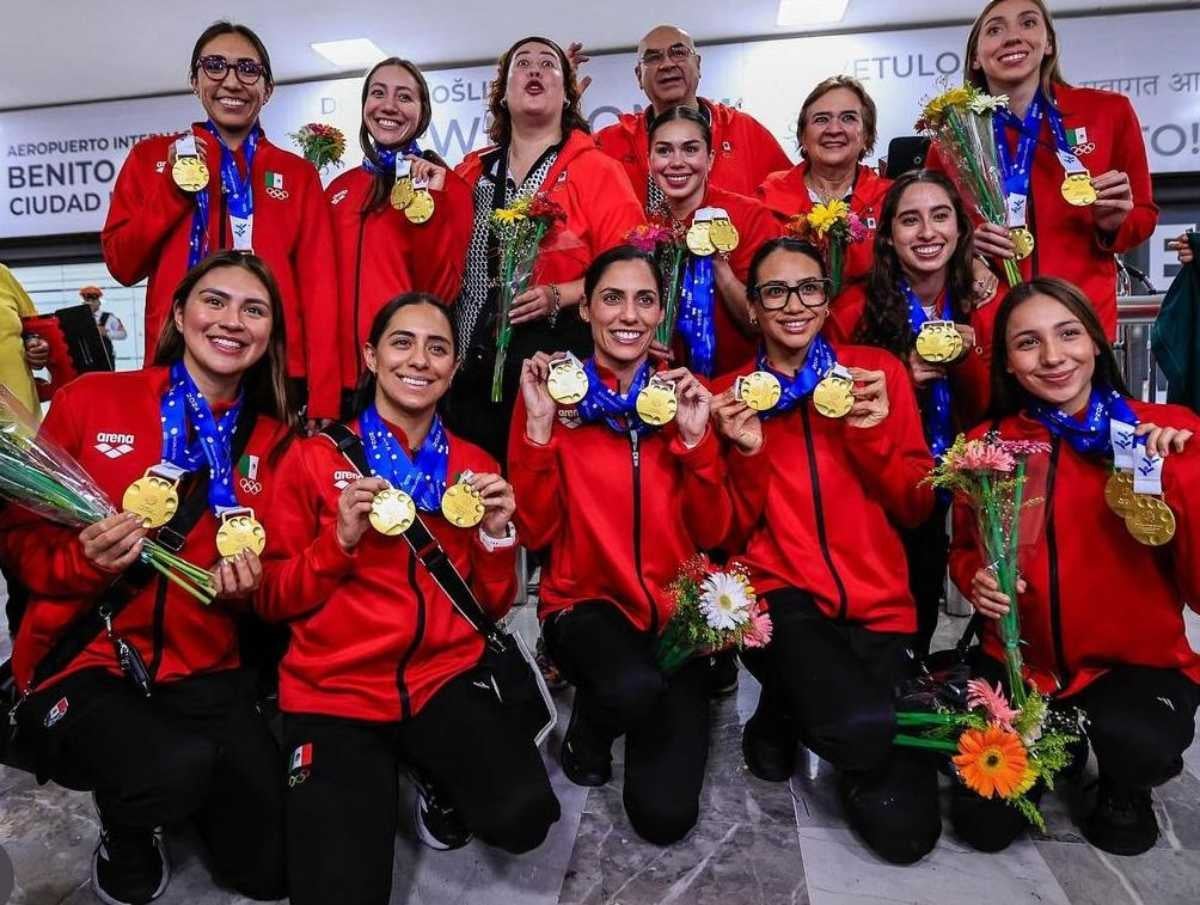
[(776, 294), (677, 53), (248, 71)]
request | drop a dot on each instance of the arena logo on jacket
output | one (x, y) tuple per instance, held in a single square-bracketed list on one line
[(570, 418), (113, 445), (339, 196), (343, 479)]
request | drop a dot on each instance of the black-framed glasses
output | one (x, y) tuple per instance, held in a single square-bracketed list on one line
[(775, 294), (676, 53), (248, 71)]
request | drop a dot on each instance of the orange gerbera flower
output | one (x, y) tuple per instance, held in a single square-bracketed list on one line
[(991, 761)]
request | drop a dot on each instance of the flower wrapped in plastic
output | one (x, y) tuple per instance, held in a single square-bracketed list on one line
[(959, 120), (39, 475), (669, 250), (322, 145), (832, 227), (715, 609)]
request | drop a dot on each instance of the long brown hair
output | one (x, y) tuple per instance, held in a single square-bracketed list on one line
[(264, 385), (1008, 397), (885, 320), (381, 186), (1051, 72), (870, 114), (500, 127)]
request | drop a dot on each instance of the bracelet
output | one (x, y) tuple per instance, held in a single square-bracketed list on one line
[(555, 303)]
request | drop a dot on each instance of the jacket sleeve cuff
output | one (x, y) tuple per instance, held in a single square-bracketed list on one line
[(495, 564), (870, 446), (492, 544), (540, 457), (329, 560), (749, 473)]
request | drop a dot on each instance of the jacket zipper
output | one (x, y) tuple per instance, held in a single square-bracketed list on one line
[(637, 528), (418, 635), (819, 511), (159, 628), (362, 225), (1060, 657), (221, 236)]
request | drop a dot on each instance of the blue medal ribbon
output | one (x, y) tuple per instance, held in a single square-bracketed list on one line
[(696, 320), (387, 158), (424, 477), (239, 194), (1059, 130), (794, 390), (1089, 436), (212, 442), (939, 425), (1017, 171), (617, 410)]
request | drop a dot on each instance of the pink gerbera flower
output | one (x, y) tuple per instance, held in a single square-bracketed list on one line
[(980, 455), (758, 632), (993, 701)]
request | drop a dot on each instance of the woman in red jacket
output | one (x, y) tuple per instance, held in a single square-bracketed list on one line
[(836, 130), (221, 185), (381, 669), (389, 245), (542, 146), (820, 481), (1101, 610), (920, 287), (1075, 156), (621, 504), (714, 316), (197, 747)]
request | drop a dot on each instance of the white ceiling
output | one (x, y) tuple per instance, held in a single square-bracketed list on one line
[(57, 51)]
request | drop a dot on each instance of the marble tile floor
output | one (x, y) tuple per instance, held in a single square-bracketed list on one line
[(755, 843)]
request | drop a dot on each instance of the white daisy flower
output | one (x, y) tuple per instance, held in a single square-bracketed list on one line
[(724, 601)]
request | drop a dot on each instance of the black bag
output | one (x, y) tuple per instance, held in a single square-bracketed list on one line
[(942, 676), (519, 682), (16, 750)]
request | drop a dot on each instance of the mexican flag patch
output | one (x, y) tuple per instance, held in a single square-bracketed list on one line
[(274, 180), (1077, 137), (248, 467), (302, 757)]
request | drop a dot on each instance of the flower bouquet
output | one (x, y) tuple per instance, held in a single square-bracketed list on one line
[(38, 474), (322, 145), (520, 229), (715, 610), (832, 227), (669, 251), (960, 121)]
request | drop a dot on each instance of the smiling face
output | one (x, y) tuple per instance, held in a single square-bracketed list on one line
[(413, 360), (1050, 353), (535, 82), (680, 160), (226, 324), (392, 110), (673, 75), (232, 106), (1013, 41), (924, 231), (793, 327), (623, 311), (833, 134)]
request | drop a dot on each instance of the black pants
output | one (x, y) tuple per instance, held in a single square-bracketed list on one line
[(836, 682), (1140, 720), (197, 748), (343, 805), (927, 548), (620, 690)]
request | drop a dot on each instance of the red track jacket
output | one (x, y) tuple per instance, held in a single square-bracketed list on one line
[(1067, 244), (381, 255), (620, 513), (373, 636), (818, 507), (150, 223), (600, 206), (786, 195), (1096, 598), (746, 152), (110, 423)]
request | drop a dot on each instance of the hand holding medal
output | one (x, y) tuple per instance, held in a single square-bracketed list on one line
[(540, 406), (189, 169), (870, 398), (354, 509), (693, 403), (737, 422), (495, 499), (1113, 200)]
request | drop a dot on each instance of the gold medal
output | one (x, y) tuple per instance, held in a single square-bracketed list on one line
[(938, 342), (567, 382), (1150, 520), (392, 512), (760, 390), (1118, 492), (1022, 240), (402, 193), (421, 208), (832, 397), (462, 504), (699, 239), (189, 173), (1077, 188), (239, 531), (152, 497), (723, 235), (656, 403)]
